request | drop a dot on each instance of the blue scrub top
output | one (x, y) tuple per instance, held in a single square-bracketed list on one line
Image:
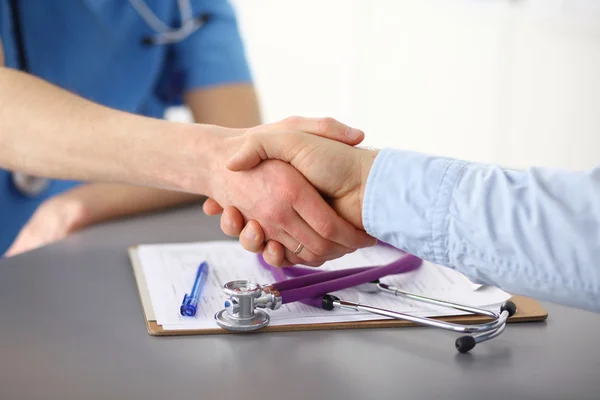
[(94, 48)]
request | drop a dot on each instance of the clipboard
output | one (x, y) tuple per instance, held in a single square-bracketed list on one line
[(528, 310)]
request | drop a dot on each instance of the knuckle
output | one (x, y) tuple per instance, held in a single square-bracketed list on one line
[(322, 248), (325, 125), (292, 121), (310, 257), (254, 130), (327, 229), (288, 192), (277, 215)]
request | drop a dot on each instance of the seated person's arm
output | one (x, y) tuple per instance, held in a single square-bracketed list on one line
[(47, 131), (233, 106), (232, 102)]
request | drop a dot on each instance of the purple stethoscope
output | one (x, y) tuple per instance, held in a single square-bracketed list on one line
[(310, 286)]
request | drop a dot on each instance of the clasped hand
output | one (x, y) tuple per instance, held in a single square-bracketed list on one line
[(307, 191), (314, 200)]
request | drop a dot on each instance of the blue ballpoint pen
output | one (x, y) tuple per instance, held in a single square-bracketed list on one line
[(189, 305)]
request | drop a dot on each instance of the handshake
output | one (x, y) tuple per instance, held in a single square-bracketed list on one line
[(293, 190)]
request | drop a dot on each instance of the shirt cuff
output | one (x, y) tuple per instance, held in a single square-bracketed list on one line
[(406, 201)]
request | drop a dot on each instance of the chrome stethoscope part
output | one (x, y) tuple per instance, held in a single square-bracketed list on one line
[(463, 344), (242, 311), (29, 185)]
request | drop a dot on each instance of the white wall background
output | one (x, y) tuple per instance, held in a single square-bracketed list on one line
[(510, 81)]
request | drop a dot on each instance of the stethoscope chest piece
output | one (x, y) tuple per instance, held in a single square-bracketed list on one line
[(240, 313)]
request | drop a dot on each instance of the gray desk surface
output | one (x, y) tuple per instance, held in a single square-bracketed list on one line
[(71, 327)]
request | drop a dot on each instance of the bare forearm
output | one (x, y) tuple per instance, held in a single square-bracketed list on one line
[(233, 106), (47, 131), (97, 202)]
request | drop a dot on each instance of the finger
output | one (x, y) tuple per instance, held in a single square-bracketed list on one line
[(316, 249), (252, 237), (232, 221), (13, 250), (290, 244), (274, 254), (257, 148), (18, 246), (329, 128), (211, 207), (313, 209), (252, 152), (302, 233)]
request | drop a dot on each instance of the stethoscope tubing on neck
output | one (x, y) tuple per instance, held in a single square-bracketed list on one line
[(164, 34)]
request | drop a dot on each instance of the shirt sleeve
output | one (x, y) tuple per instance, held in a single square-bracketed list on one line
[(215, 53), (534, 232)]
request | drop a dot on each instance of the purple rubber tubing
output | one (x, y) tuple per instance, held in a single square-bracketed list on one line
[(312, 285)]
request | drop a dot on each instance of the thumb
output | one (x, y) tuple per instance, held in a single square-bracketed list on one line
[(328, 128), (259, 147), (250, 154)]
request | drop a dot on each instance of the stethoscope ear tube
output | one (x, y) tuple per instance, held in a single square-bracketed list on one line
[(465, 343)]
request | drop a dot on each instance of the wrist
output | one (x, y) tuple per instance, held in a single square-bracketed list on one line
[(367, 158), (190, 154)]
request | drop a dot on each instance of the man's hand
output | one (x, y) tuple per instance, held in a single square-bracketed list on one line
[(53, 220), (287, 207), (336, 170)]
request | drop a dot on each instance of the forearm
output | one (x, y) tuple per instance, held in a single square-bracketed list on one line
[(47, 131), (534, 232), (97, 202), (232, 106)]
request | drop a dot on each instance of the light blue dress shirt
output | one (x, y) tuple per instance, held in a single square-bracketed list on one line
[(93, 48), (534, 232)]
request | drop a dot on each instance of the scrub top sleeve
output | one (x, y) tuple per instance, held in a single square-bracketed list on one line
[(214, 54)]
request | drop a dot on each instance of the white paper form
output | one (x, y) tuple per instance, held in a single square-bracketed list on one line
[(170, 271)]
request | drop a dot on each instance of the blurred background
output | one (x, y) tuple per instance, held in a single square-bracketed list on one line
[(515, 82)]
